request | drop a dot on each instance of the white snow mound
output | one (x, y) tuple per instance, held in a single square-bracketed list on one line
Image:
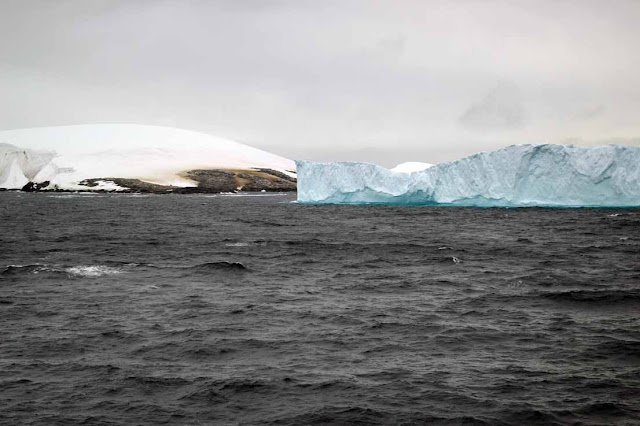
[(66, 155), (519, 175), (411, 166)]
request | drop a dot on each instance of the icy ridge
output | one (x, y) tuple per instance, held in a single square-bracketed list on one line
[(518, 175)]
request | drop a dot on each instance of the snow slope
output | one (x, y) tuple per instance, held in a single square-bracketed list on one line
[(150, 153), (519, 175)]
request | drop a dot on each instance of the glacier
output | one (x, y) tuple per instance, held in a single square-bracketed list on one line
[(518, 175), (64, 156)]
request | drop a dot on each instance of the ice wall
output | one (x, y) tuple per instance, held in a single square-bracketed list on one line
[(519, 175)]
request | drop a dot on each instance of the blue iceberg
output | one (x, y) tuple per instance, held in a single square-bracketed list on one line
[(518, 175)]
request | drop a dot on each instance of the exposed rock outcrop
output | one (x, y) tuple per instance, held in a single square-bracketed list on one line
[(208, 181)]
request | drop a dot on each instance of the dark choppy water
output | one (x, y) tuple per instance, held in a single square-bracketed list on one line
[(124, 309)]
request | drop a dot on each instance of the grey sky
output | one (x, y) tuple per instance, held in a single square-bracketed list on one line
[(381, 81)]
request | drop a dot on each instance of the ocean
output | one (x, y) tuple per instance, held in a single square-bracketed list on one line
[(209, 309)]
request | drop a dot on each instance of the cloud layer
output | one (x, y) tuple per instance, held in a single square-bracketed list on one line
[(325, 79)]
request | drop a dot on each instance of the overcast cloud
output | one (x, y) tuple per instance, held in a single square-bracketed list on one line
[(381, 81)]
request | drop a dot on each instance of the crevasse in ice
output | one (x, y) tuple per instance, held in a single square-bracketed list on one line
[(519, 175)]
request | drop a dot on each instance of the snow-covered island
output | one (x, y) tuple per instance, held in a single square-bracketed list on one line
[(518, 175), (126, 158)]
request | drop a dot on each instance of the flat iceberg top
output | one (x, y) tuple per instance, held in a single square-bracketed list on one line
[(66, 155), (518, 175)]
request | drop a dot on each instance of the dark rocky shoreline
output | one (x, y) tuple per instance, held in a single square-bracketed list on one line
[(211, 181)]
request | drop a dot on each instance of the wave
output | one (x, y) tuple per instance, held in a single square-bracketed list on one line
[(616, 349), (594, 296), (27, 269), (219, 266), (112, 268), (354, 414), (92, 271), (602, 409), (68, 271)]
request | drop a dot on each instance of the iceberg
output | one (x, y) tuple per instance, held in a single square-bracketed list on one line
[(518, 175)]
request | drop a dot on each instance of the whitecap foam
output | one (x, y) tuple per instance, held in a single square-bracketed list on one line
[(92, 271)]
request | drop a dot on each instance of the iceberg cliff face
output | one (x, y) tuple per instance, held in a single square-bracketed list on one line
[(519, 175)]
